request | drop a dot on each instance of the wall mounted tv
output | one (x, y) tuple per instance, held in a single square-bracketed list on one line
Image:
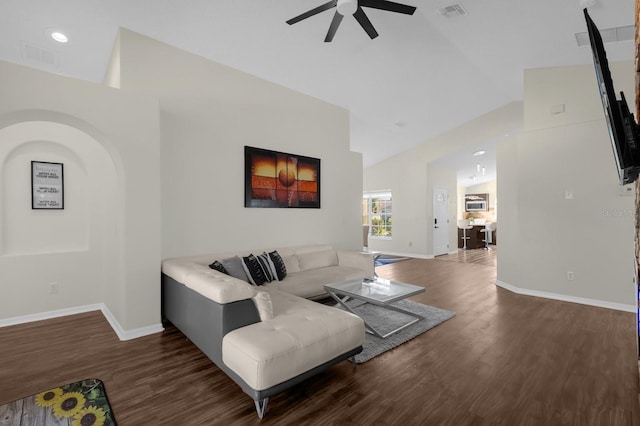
[(623, 129)]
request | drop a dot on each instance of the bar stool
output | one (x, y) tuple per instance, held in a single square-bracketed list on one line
[(488, 234), (464, 224)]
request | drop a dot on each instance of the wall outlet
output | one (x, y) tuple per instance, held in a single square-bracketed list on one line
[(570, 275), (53, 288), (410, 243)]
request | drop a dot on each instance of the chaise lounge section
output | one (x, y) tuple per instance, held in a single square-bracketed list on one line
[(266, 338)]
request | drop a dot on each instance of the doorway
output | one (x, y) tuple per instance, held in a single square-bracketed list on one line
[(440, 221)]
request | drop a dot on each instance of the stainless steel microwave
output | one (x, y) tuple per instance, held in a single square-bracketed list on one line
[(476, 206)]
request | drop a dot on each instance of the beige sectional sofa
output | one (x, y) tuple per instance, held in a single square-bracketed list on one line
[(269, 337)]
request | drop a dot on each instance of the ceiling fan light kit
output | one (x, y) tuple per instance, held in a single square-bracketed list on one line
[(353, 7), (347, 7)]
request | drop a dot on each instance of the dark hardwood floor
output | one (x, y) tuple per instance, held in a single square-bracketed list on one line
[(505, 359)]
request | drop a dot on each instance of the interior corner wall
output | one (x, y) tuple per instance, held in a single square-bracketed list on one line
[(112, 76), (407, 176), (561, 208), (104, 246), (209, 112)]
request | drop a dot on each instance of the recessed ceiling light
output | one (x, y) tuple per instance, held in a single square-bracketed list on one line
[(59, 37), (478, 153)]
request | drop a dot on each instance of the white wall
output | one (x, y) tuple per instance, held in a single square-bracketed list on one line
[(122, 150), (104, 246), (209, 112), (411, 180), (543, 235)]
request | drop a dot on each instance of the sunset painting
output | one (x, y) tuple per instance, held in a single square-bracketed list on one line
[(276, 179)]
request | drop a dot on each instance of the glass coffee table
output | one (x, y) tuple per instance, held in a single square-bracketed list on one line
[(377, 291)]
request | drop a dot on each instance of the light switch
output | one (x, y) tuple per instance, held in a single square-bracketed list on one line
[(568, 194)]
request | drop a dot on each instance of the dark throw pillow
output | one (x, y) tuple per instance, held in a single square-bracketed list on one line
[(267, 266), (281, 269), (218, 267), (253, 270)]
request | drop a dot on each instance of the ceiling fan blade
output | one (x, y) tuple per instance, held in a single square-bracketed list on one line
[(365, 23), (335, 23), (312, 12), (388, 5)]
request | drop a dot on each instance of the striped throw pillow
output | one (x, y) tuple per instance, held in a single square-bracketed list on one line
[(267, 266)]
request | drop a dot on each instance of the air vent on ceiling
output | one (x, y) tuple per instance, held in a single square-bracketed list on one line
[(609, 35), (33, 53), (453, 10)]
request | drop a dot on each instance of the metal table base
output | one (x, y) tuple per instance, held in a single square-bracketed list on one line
[(368, 327)]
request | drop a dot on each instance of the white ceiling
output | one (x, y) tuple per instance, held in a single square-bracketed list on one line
[(473, 169), (423, 75)]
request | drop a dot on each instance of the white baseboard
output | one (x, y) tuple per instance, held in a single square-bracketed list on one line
[(129, 334), (50, 314), (113, 322), (565, 298)]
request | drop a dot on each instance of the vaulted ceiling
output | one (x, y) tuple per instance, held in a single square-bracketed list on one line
[(423, 75)]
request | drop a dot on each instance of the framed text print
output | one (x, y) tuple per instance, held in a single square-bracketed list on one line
[(47, 185), (277, 179)]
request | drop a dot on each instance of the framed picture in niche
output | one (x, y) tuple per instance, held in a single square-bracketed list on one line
[(280, 180), (47, 185)]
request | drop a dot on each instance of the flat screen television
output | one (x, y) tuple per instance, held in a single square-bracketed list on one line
[(623, 129)]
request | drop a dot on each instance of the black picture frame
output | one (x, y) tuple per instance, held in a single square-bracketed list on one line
[(274, 179), (47, 185)]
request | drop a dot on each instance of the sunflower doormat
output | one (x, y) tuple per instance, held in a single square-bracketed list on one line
[(76, 404)]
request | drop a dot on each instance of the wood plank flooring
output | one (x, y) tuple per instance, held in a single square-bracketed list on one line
[(505, 359)]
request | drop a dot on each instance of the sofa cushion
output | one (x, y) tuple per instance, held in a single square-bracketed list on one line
[(317, 259), (234, 267), (290, 260), (252, 269), (302, 335), (278, 264), (310, 283)]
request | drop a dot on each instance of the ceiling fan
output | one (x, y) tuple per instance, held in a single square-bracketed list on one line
[(354, 7)]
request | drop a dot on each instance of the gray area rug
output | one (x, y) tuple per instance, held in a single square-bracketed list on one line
[(385, 320)]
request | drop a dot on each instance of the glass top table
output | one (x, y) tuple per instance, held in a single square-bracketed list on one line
[(377, 291)]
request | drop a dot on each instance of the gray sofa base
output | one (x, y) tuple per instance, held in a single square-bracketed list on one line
[(189, 311)]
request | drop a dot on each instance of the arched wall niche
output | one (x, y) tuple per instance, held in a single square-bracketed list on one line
[(89, 189), (27, 231), (34, 115), (80, 247)]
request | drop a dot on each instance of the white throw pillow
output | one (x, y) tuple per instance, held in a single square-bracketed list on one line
[(262, 299)]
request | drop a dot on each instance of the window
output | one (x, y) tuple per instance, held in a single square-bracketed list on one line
[(376, 212)]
